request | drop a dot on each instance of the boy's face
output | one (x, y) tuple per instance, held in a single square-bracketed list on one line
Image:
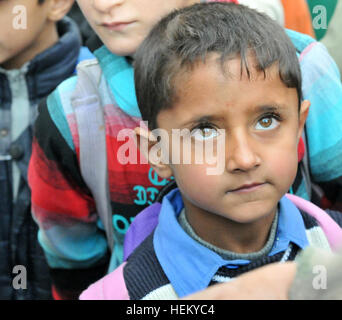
[(262, 127), (23, 25), (123, 24)]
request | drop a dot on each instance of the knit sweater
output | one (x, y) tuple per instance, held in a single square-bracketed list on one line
[(146, 280)]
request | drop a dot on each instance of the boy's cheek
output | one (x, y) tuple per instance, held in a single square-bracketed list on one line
[(194, 180), (283, 168)]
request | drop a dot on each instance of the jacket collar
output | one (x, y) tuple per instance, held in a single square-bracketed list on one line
[(57, 63)]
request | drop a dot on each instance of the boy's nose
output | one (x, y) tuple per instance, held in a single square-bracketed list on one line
[(241, 154), (105, 5)]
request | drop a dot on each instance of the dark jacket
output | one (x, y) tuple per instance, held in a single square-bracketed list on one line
[(18, 231)]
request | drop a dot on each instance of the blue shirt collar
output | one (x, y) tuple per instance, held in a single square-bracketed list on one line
[(290, 228), (120, 77), (190, 266)]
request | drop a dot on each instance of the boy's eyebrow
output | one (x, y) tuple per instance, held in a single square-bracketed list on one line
[(270, 108), (260, 109), (202, 119)]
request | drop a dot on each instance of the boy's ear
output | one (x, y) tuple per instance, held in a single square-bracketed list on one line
[(303, 114), (146, 141), (59, 9)]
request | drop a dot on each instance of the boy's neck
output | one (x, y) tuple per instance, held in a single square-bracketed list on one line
[(46, 39), (227, 234)]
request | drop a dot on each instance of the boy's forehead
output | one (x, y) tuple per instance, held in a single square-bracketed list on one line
[(214, 72), (209, 89), (232, 68)]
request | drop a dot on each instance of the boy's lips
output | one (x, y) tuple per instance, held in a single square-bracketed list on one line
[(248, 187), (116, 26)]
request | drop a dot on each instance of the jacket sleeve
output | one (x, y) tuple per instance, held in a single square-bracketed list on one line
[(74, 246), (322, 86)]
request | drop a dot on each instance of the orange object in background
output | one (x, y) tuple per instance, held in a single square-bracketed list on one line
[(297, 16)]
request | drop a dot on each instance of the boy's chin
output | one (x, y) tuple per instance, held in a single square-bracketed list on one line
[(252, 212), (3, 59), (124, 50)]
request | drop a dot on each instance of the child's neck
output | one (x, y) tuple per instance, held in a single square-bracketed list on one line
[(129, 60), (229, 235)]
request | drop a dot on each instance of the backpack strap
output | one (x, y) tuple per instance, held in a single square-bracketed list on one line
[(86, 103), (145, 222), (111, 287), (331, 229), (141, 227)]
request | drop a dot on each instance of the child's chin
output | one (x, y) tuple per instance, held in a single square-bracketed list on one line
[(252, 213), (126, 49)]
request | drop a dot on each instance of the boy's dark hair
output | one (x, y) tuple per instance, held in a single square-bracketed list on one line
[(40, 1), (187, 35)]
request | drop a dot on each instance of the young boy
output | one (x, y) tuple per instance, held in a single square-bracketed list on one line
[(69, 229), (218, 71), (38, 50)]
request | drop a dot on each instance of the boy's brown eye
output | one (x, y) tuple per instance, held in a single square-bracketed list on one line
[(203, 133), (266, 122)]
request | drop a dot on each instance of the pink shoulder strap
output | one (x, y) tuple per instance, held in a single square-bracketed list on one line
[(332, 230), (110, 287)]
